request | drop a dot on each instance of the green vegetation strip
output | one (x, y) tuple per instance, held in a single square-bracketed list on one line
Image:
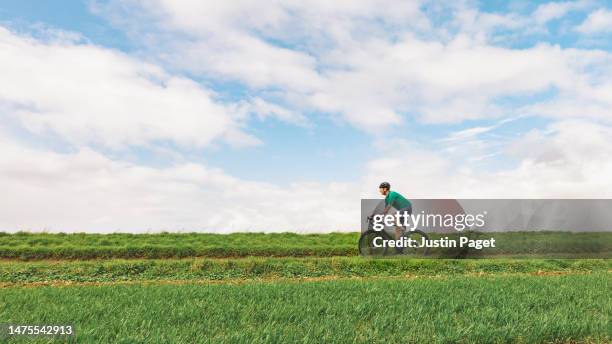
[(15, 272), (459, 309), (37, 246), (32, 246)]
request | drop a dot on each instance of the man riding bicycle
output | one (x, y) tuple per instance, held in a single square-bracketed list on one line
[(375, 240), (395, 200)]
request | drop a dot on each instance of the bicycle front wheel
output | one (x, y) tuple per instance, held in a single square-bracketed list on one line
[(418, 239)]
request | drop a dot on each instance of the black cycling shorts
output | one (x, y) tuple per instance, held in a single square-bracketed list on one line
[(408, 210)]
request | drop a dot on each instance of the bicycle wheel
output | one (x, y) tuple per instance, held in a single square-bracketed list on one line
[(366, 243), (417, 236)]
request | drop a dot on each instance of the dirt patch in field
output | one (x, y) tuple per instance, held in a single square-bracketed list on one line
[(239, 281), (236, 281), (548, 273)]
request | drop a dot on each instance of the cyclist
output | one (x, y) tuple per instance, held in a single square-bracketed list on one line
[(393, 199)]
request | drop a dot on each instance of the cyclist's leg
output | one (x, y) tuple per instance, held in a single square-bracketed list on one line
[(405, 212), (399, 230)]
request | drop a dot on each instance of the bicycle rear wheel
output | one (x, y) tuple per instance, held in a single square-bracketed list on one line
[(366, 243)]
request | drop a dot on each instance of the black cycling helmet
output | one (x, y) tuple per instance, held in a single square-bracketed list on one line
[(384, 185)]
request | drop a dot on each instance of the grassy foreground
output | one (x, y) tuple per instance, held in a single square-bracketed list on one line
[(493, 309), (271, 288), (33, 246)]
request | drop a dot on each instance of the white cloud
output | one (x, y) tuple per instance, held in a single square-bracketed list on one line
[(232, 43), (481, 24), (370, 62), (264, 109), (86, 191), (555, 10), (468, 133), (441, 83), (570, 159), (599, 21), (250, 60), (92, 95)]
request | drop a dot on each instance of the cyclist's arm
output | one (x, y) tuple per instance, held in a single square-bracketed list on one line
[(384, 211), (387, 208)]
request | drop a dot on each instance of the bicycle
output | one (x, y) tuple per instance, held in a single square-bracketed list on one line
[(367, 238)]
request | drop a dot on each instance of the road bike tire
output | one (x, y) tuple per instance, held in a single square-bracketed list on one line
[(417, 235), (366, 243)]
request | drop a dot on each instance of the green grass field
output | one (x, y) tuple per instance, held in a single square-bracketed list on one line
[(493, 309), (254, 268), (31, 246), (304, 292)]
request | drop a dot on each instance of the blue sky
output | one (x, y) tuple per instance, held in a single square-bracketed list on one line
[(72, 15), (162, 108)]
